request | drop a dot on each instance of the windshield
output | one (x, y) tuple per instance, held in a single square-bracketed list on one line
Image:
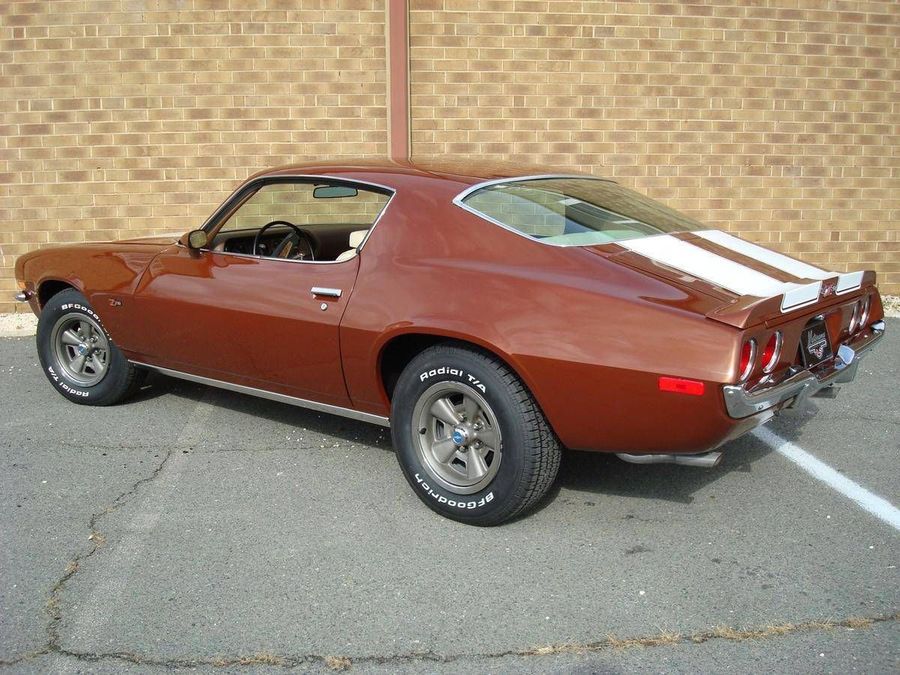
[(572, 211)]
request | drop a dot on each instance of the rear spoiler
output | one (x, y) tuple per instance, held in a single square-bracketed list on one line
[(749, 310)]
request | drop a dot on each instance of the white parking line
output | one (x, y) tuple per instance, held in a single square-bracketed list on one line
[(877, 506)]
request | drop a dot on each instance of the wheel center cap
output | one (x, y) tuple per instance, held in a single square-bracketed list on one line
[(83, 349), (460, 435)]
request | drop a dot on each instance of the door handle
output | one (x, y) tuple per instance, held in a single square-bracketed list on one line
[(326, 292)]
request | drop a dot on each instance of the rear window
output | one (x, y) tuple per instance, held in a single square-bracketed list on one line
[(572, 211)]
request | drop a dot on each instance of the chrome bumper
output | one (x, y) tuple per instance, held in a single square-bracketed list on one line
[(22, 296), (800, 386)]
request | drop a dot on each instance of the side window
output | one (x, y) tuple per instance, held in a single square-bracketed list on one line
[(310, 221), (308, 204), (537, 213)]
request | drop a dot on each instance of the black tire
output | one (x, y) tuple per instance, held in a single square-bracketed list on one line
[(69, 312), (529, 452)]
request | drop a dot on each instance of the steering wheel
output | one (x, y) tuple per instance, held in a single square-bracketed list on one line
[(291, 239)]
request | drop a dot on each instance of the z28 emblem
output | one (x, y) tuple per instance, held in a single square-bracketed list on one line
[(816, 344)]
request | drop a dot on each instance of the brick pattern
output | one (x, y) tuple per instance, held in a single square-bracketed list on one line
[(777, 120), (130, 117)]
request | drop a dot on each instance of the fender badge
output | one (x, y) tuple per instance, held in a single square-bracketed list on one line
[(115, 302)]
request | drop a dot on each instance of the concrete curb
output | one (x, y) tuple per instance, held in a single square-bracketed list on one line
[(20, 324), (24, 324)]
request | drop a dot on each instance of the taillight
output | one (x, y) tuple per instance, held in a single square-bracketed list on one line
[(748, 359), (854, 318), (772, 352), (864, 311)]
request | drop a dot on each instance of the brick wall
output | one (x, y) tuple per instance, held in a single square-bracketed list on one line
[(779, 120), (127, 117)]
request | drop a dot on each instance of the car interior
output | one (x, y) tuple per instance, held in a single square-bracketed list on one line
[(301, 221), (322, 242)]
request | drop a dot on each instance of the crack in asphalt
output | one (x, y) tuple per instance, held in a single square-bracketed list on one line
[(337, 662), (98, 540), (607, 644)]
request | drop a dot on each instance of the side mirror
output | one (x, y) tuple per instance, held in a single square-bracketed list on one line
[(197, 239)]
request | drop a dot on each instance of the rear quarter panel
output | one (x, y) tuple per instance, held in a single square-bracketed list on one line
[(588, 337)]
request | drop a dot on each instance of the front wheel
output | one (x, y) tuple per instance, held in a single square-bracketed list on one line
[(78, 356), (471, 440)]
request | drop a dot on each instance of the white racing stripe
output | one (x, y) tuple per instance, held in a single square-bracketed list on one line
[(877, 506), (703, 264), (847, 282), (727, 273), (764, 255), (797, 296)]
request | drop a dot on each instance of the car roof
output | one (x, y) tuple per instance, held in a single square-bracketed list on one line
[(390, 173)]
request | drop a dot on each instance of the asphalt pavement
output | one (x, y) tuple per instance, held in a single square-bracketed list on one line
[(204, 530)]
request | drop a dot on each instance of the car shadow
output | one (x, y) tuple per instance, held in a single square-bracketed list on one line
[(344, 428), (596, 473), (605, 474)]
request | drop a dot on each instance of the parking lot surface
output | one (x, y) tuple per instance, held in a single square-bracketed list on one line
[(201, 529)]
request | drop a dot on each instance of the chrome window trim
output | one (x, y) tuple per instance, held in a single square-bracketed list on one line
[(211, 222), (262, 257), (458, 201), (271, 395)]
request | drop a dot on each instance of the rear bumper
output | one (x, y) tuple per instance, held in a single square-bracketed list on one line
[(742, 403)]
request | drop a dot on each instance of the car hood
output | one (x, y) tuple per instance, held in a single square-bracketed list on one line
[(155, 239)]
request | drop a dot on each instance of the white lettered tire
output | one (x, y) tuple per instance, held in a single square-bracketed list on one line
[(470, 438), (78, 356)]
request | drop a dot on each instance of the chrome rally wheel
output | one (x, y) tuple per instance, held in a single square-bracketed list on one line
[(470, 438), (78, 356), (457, 436), (81, 348)]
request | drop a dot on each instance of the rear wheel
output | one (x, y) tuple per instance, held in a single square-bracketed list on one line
[(471, 440), (78, 356)]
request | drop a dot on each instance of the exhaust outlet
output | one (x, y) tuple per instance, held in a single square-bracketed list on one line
[(706, 460)]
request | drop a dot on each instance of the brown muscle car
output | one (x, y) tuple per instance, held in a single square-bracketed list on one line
[(490, 317)]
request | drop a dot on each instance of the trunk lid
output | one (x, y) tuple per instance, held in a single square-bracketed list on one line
[(746, 284)]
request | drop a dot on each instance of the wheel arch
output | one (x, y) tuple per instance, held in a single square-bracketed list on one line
[(399, 349), (50, 287)]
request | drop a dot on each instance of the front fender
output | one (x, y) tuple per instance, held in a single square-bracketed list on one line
[(106, 274)]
